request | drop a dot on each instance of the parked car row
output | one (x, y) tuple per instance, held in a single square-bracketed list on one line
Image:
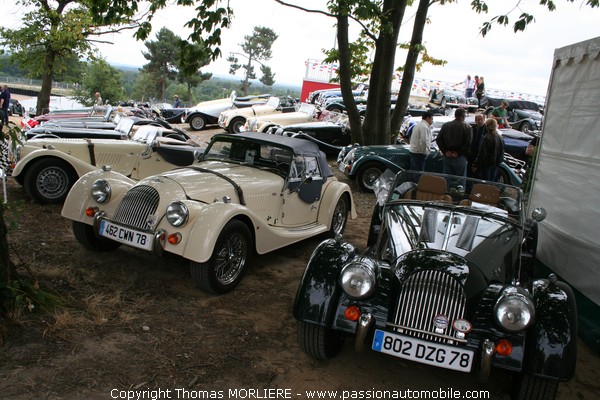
[(447, 277)]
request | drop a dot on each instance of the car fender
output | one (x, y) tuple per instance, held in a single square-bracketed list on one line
[(79, 197), (210, 119), (373, 157), (318, 292), (24, 163), (552, 342), (329, 200)]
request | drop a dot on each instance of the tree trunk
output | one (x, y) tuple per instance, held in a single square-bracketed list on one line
[(410, 65), (346, 78), (43, 101), (376, 126)]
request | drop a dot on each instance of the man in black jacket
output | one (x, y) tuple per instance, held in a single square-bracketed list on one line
[(454, 141)]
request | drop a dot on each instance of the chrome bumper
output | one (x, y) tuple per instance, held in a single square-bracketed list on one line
[(364, 326)]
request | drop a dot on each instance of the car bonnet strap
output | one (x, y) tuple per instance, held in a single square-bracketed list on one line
[(91, 151)]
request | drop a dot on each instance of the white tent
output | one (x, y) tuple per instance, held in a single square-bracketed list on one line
[(567, 178)]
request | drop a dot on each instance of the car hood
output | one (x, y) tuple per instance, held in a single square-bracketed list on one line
[(212, 180), (535, 115)]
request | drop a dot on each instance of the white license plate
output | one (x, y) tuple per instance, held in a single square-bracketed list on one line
[(437, 354), (342, 166), (131, 237)]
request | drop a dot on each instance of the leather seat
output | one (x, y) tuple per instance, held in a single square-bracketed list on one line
[(482, 193), (430, 188)]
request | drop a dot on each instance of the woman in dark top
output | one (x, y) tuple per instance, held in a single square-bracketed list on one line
[(491, 152), (479, 90)]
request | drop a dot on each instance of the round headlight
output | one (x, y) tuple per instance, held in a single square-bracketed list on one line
[(357, 280), (177, 213), (514, 312), (17, 153), (101, 191)]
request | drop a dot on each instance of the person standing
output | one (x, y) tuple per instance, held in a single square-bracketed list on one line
[(420, 142), (479, 90), (4, 103), (454, 141), (97, 99), (469, 86), (491, 152), (177, 103), (479, 131)]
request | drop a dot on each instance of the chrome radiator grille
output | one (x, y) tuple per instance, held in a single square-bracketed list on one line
[(137, 205), (423, 297)]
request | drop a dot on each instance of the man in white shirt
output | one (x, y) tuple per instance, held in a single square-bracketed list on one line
[(469, 86), (420, 142)]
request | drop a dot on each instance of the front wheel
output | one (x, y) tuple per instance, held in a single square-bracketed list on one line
[(85, 235), (318, 341), (525, 127), (236, 125), (339, 217), (226, 266), (530, 387), (367, 175), (49, 180), (197, 123)]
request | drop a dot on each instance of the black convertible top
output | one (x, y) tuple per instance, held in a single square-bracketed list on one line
[(513, 104)]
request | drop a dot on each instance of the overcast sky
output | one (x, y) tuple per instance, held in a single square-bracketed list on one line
[(508, 61)]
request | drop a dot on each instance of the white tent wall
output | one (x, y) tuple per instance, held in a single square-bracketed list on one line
[(567, 182)]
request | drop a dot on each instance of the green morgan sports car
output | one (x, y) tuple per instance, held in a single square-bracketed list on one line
[(446, 280)]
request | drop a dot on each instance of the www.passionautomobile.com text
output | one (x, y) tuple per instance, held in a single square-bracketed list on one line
[(246, 393)]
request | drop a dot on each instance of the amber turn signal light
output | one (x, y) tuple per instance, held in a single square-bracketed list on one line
[(174, 238), (352, 313), (504, 348)]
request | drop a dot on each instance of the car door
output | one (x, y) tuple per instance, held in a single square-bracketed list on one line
[(302, 194)]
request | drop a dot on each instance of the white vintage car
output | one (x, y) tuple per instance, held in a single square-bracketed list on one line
[(48, 167), (234, 120), (306, 113), (248, 193)]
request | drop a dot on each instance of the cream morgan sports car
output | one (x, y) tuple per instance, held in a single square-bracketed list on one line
[(48, 167), (247, 193)]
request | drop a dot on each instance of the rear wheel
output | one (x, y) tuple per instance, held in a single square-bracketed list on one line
[(49, 180), (197, 123), (226, 267), (530, 387), (85, 235), (236, 124), (318, 341), (368, 174), (502, 177), (525, 127)]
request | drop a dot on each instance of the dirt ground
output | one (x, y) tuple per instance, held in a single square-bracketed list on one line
[(135, 325)]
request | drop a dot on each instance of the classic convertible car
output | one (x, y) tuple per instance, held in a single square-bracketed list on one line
[(331, 133), (305, 113), (452, 98), (523, 115), (247, 193), (446, 280), (367, 163), (207, 112), (48, 167), (234, 120)]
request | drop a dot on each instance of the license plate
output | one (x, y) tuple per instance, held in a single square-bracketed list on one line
[(131, 237), (437, 354), (342, 166)]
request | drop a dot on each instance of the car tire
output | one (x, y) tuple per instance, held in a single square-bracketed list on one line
[(236, 124), (339, 217), (85, 235), (197, 123), (368, 174), (227, 264), (525, 127), (502, 177), (530, 387), (318, 341), (49, 180)]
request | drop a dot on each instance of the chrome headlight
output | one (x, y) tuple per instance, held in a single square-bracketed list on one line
[(358, 279), (18, 153), (177, 213), (349, 158), (101, 191), (514, 311)]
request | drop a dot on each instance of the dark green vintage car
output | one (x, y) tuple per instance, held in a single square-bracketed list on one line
[(446, 280), (367, 163)]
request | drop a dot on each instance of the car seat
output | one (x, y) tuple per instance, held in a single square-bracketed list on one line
[(483, 193), (430, 188)]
